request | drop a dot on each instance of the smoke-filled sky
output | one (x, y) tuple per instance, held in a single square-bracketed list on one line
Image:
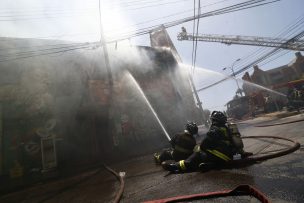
[(78, 20)]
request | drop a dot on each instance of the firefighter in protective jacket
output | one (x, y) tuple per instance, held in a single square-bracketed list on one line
[(182, 145), (217, 148)]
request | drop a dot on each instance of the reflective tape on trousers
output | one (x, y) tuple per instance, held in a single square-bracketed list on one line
[(182, 165), (219, 154)]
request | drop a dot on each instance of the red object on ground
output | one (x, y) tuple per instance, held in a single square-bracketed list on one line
[(240, 190)]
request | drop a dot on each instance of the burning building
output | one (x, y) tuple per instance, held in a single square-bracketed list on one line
[(61, 111)]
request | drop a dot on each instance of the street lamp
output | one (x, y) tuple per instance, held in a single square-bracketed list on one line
[(233, 73)]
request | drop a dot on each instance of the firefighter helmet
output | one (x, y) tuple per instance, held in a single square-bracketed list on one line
[(219, 117), (192, 128)]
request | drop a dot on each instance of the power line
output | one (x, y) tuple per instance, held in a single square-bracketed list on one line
[(193, 42), (5, 39), (56, 17), (48, 15), (229, 9), (295, 38), (174, 2), (286, 52), (50, 10), (42, 50), (282, 33), (42, 10), (144, 22), (44, 54), (264, 57), (197, 28), (142, 2)]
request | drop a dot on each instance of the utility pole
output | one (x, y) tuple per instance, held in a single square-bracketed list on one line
[(199, 103), (105, 51), (106, 147)]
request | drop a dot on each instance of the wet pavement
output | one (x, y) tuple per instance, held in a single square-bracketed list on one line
[(280, 179)]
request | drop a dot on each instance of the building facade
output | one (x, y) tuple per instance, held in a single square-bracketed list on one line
[(276, 77), (60, 111)]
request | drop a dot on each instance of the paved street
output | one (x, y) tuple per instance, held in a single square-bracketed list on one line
[(280, 179)]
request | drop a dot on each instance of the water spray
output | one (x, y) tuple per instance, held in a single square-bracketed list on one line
[(264, 88), (199, 103), (148, 103)]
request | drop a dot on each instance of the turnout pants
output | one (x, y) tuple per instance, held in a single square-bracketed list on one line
[(192, 163), (170, 154)]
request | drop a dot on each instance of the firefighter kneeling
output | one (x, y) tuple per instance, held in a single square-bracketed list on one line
[(182, 145), (222, 142)]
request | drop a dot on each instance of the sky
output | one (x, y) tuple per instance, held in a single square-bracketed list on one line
[(78, 20)]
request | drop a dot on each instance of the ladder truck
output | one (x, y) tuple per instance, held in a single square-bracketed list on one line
[(243, 40)]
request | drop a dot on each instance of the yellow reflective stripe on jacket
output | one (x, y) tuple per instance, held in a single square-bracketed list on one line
[(182, 165), (181, 149), (219, 154)]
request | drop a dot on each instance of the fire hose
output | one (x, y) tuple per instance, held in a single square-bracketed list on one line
[(240, 190), (120, 177), (253, 159)]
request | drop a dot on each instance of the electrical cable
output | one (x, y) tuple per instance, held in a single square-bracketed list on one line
[(139, 33), (142, 2), (174, 2), (286, 52), (58, 10), (197, 29), (229, 9), (45, 54), (193, 40), (42, 50), (158, 25), (136, 34), (203, 15), (42, 9), (267, 55), (56, 17), (87, 34), (264, 57), (282, 33)]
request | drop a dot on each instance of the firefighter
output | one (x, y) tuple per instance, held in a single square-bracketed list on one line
[(216, 149), (182, 145), (294, 99), (183, 34)]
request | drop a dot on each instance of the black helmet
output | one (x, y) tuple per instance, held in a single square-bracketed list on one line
[(192, 128), (218, 117)]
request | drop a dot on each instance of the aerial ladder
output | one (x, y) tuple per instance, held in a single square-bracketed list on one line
[(243, 40)]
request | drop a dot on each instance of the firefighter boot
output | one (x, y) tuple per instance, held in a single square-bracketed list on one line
[(171, 166)]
